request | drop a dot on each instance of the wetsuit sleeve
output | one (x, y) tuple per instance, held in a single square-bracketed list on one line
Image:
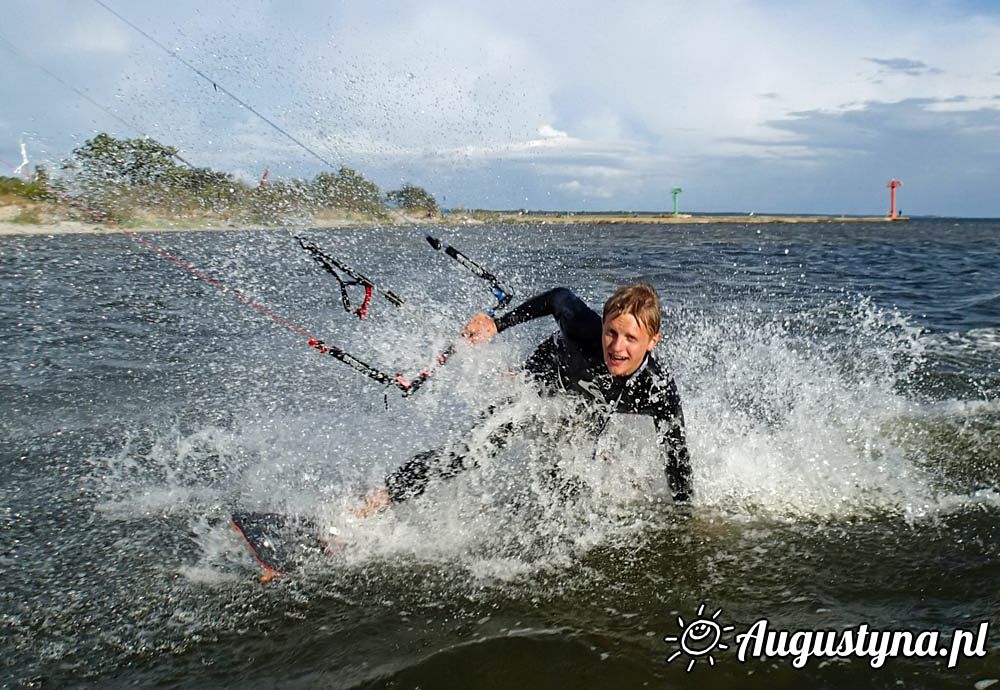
[(669, 420), (578, 322), (411, 478)]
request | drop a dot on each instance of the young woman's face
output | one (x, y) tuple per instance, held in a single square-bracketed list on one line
[(626, 343)]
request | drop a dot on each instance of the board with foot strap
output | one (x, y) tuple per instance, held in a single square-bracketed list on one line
[(280, 543)]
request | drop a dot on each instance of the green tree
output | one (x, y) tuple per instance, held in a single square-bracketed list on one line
[(127, 161), (412, 198), (348, 189), (201, 179), (279, 201)]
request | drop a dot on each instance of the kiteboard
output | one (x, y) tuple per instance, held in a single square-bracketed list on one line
[(280, 543)]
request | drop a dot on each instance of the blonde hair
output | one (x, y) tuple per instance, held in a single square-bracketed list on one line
[(639, 300)]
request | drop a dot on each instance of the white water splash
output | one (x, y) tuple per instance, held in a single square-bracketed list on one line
[(789, 417)]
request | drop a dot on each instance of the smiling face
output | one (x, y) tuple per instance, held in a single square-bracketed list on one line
[(701, 637), (626, 342)]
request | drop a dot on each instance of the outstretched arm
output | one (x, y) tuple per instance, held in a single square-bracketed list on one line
[(578, 322)]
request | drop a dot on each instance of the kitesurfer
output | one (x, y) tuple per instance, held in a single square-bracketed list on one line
[(608, 359)]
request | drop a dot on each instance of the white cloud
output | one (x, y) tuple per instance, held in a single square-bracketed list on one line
[(550, 132), (577, 188), (662, 93)]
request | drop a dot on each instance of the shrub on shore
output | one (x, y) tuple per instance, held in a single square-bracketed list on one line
[(16, 187), (126, 179)]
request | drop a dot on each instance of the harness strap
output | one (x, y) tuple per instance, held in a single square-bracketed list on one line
[(362, 311), (333, 265)]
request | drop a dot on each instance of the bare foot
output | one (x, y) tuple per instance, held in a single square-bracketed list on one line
[(267, 576), (376, 501)]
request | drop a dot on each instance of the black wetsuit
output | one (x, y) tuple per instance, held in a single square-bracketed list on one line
[(573, 360)]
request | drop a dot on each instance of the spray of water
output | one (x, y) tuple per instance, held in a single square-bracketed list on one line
[(792, 417)]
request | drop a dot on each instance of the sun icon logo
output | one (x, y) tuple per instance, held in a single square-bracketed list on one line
[(699, 637)]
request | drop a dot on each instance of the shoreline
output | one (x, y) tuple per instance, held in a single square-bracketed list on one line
[(625, 218), (64, 226), (455, 219)]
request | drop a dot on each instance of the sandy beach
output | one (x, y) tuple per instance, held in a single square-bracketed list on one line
[(51, 224), (77, 227)]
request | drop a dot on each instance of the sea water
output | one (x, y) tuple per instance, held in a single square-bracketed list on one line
[(839, 382)]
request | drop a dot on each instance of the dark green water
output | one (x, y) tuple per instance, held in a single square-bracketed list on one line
[(840, 385)]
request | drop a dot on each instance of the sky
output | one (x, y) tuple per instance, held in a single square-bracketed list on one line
[(747, 105)]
